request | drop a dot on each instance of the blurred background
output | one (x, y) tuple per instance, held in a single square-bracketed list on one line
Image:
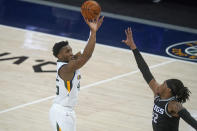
[(176, 12)]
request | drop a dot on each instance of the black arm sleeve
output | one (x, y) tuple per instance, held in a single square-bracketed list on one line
[(142, 66), (185, 115)]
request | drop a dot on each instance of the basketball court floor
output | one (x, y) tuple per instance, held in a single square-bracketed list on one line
[(114, 95)]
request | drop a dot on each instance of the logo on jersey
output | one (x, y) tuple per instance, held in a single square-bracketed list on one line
[(78, 77), (184, 50), (158, 109)]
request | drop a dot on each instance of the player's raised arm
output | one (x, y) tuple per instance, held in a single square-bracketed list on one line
[(87, 53), (140, 61)]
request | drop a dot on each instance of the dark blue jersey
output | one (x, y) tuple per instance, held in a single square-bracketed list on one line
[(162, 120)]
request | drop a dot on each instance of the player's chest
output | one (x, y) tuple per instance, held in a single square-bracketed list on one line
[(159, 107)]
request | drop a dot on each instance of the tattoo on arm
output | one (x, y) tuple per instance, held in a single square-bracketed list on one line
[(174, 107), (177, 107)]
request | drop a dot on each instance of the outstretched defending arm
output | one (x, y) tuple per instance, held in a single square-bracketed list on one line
[(140, 61), (142, 66)]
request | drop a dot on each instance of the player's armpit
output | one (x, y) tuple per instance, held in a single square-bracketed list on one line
[(154, 85)]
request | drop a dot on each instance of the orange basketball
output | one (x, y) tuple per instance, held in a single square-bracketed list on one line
[(90, 9)]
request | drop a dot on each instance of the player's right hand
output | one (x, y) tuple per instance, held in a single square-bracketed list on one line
[(95, 24)]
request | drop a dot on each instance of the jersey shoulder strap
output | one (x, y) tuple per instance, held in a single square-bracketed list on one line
[(166, 106), (60, 64), (156, 98)]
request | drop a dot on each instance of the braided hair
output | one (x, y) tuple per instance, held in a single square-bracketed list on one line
[(178, 90)]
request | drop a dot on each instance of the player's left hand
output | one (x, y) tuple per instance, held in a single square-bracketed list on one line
[(129, 41)]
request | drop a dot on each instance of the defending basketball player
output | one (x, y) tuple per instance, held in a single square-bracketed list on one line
[(62, 114), (168, 97)]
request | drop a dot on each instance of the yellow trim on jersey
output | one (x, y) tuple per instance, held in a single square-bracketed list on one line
[(58, 128), (68, 86)]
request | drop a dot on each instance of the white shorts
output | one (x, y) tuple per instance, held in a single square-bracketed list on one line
[(62, 118)]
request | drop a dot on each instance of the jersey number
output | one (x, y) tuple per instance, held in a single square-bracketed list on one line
[(57, 80), (57, 93), (155, 117)]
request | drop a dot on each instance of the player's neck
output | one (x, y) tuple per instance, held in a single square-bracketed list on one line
[(165, 96), (62, 60)]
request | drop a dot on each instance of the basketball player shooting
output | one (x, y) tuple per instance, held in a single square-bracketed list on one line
[(168, 97), (62, 114)]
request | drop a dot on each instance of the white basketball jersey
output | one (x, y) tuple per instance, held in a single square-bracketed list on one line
[(67, 91)]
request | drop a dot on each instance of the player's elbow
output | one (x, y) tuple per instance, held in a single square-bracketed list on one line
[(87, 56)]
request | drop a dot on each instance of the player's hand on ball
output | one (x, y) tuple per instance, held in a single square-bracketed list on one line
[(100, 21), (95, 24), (129, 40)]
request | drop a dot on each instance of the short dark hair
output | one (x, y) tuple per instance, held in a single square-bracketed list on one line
[(57, 47), (178, 90)]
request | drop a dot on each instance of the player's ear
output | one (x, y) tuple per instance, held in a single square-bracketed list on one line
[(169, 90), (59, 56)]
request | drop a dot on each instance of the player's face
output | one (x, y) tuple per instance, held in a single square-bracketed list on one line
[(162, 88), (66, 53)]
